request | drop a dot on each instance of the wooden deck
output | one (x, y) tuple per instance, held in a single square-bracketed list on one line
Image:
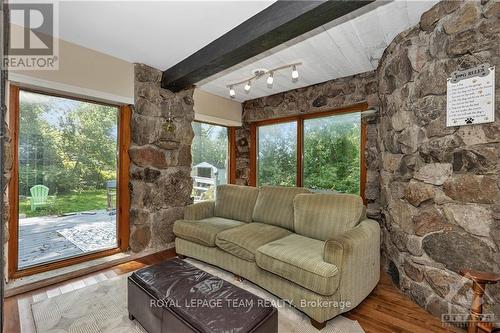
[(40, 240), (386, 310)]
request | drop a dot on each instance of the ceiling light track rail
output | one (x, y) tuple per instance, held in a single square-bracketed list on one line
[(259, 73)]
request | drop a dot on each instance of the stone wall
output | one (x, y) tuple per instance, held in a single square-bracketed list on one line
[(7, 160), (160, 172), (334, 94), (439, 186)]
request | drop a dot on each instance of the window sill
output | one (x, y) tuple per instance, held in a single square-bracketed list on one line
[(41, 280)]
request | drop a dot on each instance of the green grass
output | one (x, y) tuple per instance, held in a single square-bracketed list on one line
[(67, 203)]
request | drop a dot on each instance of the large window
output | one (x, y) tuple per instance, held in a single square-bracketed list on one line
[(65, 182), (210, 159), (319, 152), (277, 154), (331, 153)]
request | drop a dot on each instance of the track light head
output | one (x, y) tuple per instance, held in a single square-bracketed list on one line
[(232, 93), (248, 86), (270, 80), (295, 74)]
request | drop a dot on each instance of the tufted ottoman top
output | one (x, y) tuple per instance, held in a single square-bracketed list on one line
[(206, 302)]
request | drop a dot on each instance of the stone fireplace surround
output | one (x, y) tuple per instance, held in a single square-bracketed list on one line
[(434, 190)]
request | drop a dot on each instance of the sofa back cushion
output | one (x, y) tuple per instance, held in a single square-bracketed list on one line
[(326, 216), (235, 202), (275, 205)]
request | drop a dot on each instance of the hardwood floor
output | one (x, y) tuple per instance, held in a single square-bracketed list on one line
[(386, 310)]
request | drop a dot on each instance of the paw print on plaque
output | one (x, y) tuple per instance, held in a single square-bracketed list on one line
[(469, 120)]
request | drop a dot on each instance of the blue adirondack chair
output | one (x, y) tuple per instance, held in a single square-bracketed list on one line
[(39, 196)]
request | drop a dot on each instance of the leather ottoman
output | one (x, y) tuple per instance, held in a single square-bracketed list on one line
[(176, 297)]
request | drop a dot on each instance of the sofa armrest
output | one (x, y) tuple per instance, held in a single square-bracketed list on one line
[(200, 210), (356, 254)]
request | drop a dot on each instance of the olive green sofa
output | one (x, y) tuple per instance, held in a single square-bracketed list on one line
[(317, 251)]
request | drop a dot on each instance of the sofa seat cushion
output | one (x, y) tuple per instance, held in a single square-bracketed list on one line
[(244, 240), (300, 260), (203, 231)]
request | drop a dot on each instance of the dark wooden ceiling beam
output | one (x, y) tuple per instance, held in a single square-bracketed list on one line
[(278, 23)]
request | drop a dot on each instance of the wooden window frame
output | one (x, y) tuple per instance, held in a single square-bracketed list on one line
[(299, 119), (123, 198), (232, 155)]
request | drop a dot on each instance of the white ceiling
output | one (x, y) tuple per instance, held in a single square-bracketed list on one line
[(342, 48), (162, 33), (157, 33)]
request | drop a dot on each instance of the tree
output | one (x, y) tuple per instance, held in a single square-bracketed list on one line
[(66, 145), (89, 144), (331, 156), (209, 144), (39, 158), (277, 163)]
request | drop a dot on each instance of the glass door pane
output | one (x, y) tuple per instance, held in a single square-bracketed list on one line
[(210, 160), (277, 154), (332, 153), (67, 178)]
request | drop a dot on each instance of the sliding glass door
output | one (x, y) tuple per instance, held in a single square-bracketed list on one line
[(67, 176)]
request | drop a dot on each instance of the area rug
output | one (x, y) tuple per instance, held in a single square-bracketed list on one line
[(102, 308), (290, 320), (99, 308), (92, 236)]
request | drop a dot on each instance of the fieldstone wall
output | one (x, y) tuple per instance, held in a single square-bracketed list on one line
[(334, 94), (160, 172), (439, 186), (7, 160)]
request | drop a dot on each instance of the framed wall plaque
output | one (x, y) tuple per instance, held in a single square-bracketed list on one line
[(470, 96)]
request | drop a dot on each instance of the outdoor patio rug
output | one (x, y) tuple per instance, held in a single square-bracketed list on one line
[(92, 236), (102, 308)]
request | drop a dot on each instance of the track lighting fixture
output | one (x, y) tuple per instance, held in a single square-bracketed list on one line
[(259, 73)]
